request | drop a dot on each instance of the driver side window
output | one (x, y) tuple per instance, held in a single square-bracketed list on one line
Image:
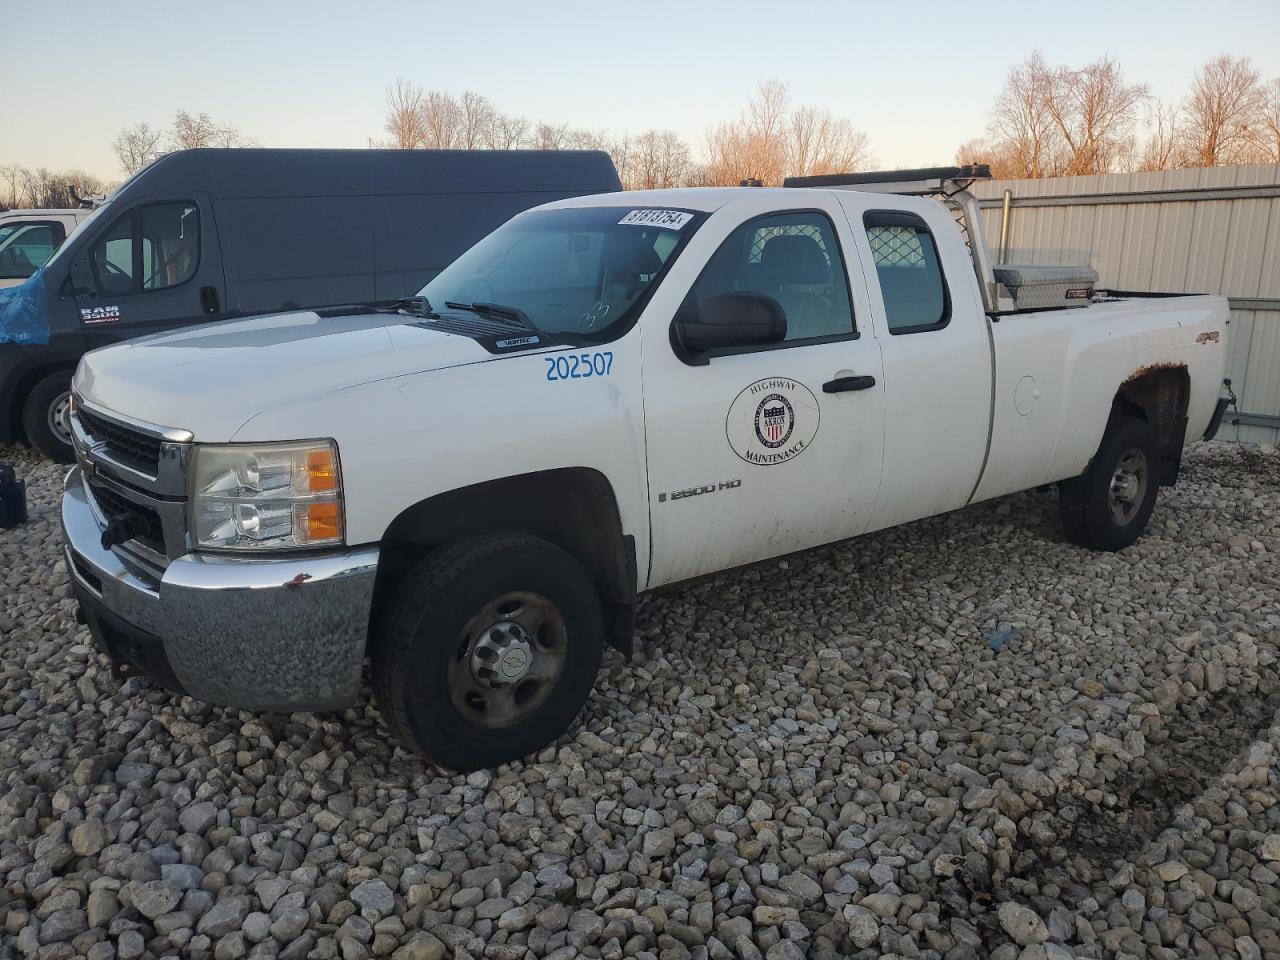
[(152, 248), (793, 258)]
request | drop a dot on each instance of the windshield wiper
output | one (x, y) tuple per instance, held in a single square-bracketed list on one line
[(419, 305), (495, 311)]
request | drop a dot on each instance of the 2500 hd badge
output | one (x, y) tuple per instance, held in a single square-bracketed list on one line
[(772, 421)]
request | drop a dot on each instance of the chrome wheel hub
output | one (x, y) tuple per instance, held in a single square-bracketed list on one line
[(501, 655), (509, 659), (1128, 486)]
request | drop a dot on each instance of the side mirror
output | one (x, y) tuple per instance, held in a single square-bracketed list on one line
[(729, 320), (81, 275)]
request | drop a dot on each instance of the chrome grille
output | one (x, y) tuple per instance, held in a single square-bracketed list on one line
[(131, 447), (133, 468)]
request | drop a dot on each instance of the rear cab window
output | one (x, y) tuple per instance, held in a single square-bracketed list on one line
[(916, 299)]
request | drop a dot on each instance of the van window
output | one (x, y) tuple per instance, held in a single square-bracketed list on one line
[(170, 244), (152, 248), (112, 257), (25, 247), (910, 274)]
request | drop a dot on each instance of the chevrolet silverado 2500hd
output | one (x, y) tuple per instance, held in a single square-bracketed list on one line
[(606, 395)]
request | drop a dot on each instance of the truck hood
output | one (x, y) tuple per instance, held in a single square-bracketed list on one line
[(211, 379)]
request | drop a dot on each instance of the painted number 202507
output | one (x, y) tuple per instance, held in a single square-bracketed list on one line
[(579, 366)]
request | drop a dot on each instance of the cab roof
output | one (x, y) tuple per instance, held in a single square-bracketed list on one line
[(710, 199), (705, 199)]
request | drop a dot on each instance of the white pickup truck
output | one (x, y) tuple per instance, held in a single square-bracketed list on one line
[(606, 395)]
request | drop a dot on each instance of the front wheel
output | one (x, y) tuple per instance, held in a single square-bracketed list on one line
[(46, 417), (1107, 508), (488, 651)]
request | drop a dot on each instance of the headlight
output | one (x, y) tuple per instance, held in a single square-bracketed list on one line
[(276, 496)]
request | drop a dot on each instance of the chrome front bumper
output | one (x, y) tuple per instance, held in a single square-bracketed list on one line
[(283, 633)]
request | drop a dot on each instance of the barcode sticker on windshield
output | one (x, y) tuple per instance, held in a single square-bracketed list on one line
[(671, 219)]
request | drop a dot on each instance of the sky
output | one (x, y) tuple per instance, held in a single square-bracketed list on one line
[(918, 78)]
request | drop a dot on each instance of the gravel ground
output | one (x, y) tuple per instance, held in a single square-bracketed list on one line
[(826, 756)]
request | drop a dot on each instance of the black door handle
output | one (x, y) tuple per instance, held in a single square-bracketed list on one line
[(209, 299), (845, 384)]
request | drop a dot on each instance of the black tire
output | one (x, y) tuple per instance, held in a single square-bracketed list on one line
[(1101, 509), (429, 637), (48, 396)]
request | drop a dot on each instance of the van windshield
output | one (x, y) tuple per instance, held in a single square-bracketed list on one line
[(580, 271), (63, 251)]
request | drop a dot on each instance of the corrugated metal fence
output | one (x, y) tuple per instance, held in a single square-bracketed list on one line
[(1211, 230)]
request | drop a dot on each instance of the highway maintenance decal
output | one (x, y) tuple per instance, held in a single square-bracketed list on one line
[(772, 421)]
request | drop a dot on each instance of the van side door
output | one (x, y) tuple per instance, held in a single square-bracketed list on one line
[(153, 267)]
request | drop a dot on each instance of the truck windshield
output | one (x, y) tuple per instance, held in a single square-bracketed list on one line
[(581, 271)]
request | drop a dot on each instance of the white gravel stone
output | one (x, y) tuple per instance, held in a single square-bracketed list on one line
[(820, 756), (1022, 923)]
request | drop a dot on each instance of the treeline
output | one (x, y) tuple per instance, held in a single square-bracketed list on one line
[(135, 146), (1047, 120), (138, 145), (40, 188), (767, 141), (1050, 121)]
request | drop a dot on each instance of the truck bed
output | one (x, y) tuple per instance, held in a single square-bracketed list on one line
[(1049, 362)]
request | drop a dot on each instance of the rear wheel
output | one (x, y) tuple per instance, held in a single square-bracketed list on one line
[(488, 651), (46, 417), (1108, 507)]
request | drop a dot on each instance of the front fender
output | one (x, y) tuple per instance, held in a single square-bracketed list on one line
[(410, 438)]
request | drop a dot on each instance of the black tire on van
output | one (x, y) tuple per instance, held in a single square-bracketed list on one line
[(1109, 505), (46, 417), (487, 650)]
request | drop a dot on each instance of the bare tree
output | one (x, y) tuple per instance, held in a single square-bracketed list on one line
[(193, 131), (755, 145), (730, 157), (11, 181), (199, 130), (654, 160), (1270, 138), (45, 188), (404, 114), (1022, 121), (441, 118), (579, 139), (770, 140), (1163, 143), (135, 146), (507, 132), (622, 150), (820, 143), (549, 136), (1095, 113), (996, 155), (477, 116), (1223, 113)]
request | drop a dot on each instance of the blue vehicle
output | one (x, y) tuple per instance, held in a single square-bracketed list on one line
[(210, 234)]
